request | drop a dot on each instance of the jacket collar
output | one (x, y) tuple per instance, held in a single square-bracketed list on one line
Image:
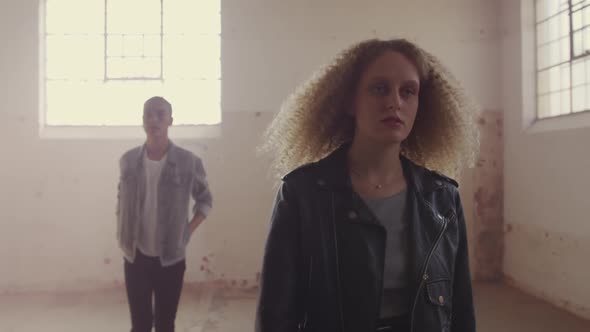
[(171, 155), (332, 173), (427, 218)]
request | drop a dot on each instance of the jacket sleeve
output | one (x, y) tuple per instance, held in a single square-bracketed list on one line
[(121, 167), (463, 316), (200, 190), (279, 303)]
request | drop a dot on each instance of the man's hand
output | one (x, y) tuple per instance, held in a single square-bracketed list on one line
[(197, 220)]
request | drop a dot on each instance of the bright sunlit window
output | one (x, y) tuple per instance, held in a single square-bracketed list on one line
[(563, 57), (101, 59)]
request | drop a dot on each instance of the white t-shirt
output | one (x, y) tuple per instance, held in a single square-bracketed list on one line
[(148, 243)]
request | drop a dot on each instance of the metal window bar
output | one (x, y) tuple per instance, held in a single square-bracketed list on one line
[(581, 6), (160, 77), (559, 64), (573, 6), (548, 18), (162, 39), (547, 43), (552, 92), (584, 27), (571, 56)]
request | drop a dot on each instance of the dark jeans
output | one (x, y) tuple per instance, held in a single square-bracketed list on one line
[(145, 279), (394, 324)]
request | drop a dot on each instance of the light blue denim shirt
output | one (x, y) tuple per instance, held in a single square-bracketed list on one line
[(183, 177)]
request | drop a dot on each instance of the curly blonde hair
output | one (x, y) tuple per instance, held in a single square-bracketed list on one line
[(314, 121)]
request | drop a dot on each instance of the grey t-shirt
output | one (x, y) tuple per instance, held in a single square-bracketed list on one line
[(390, 212)]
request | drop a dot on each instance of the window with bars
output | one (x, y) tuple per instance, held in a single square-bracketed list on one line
[(133, 47), (563, 57), (101, 59)]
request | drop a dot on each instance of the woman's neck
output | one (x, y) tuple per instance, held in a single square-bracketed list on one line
[(375, 169), (374, 161)]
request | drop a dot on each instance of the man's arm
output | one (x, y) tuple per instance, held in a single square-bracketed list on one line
[(118, 208), (196, 221), (201, 195)]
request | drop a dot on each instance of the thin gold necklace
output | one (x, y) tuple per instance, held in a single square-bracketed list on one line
[(376, 186)]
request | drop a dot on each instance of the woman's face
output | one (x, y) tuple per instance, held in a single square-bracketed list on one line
[(386, 99)]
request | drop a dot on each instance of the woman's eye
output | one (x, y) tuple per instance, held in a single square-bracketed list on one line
[(379, 89), (409, 92)]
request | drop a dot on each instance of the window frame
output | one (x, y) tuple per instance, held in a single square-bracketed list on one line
[(570, 62), (106, 132), (531, 123), (159, 77)]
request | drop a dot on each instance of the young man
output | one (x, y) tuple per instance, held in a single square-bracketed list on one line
[(157, 182)]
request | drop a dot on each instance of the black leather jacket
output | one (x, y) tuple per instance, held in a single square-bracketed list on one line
[(324, 258)]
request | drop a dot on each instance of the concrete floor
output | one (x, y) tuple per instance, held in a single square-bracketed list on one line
[(499, 308)]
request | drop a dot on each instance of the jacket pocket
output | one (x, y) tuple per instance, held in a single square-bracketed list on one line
[(184, 235), (438, 294)]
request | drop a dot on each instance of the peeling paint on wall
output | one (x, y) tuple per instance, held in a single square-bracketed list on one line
[(488, 198), (550, 248)]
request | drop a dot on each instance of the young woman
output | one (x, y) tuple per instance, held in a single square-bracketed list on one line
[(364, 235)]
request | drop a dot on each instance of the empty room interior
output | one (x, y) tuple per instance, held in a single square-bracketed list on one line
[(77, 79)]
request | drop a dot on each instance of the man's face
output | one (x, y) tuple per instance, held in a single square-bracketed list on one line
[(157, 117)]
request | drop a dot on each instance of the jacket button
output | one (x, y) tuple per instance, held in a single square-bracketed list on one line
[(352, 215), (441, 300), (321, 182)]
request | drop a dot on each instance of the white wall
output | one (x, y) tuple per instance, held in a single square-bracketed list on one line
[(57, 196), (546, 184)]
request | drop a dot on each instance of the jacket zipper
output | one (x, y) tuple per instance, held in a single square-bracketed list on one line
[(424, 275)]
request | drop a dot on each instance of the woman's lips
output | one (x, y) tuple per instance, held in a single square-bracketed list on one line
[(392, 122)]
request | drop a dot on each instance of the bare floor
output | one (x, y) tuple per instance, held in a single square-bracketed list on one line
[(499, 308)]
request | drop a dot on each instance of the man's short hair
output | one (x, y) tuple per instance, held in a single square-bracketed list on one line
[(160, 99)]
